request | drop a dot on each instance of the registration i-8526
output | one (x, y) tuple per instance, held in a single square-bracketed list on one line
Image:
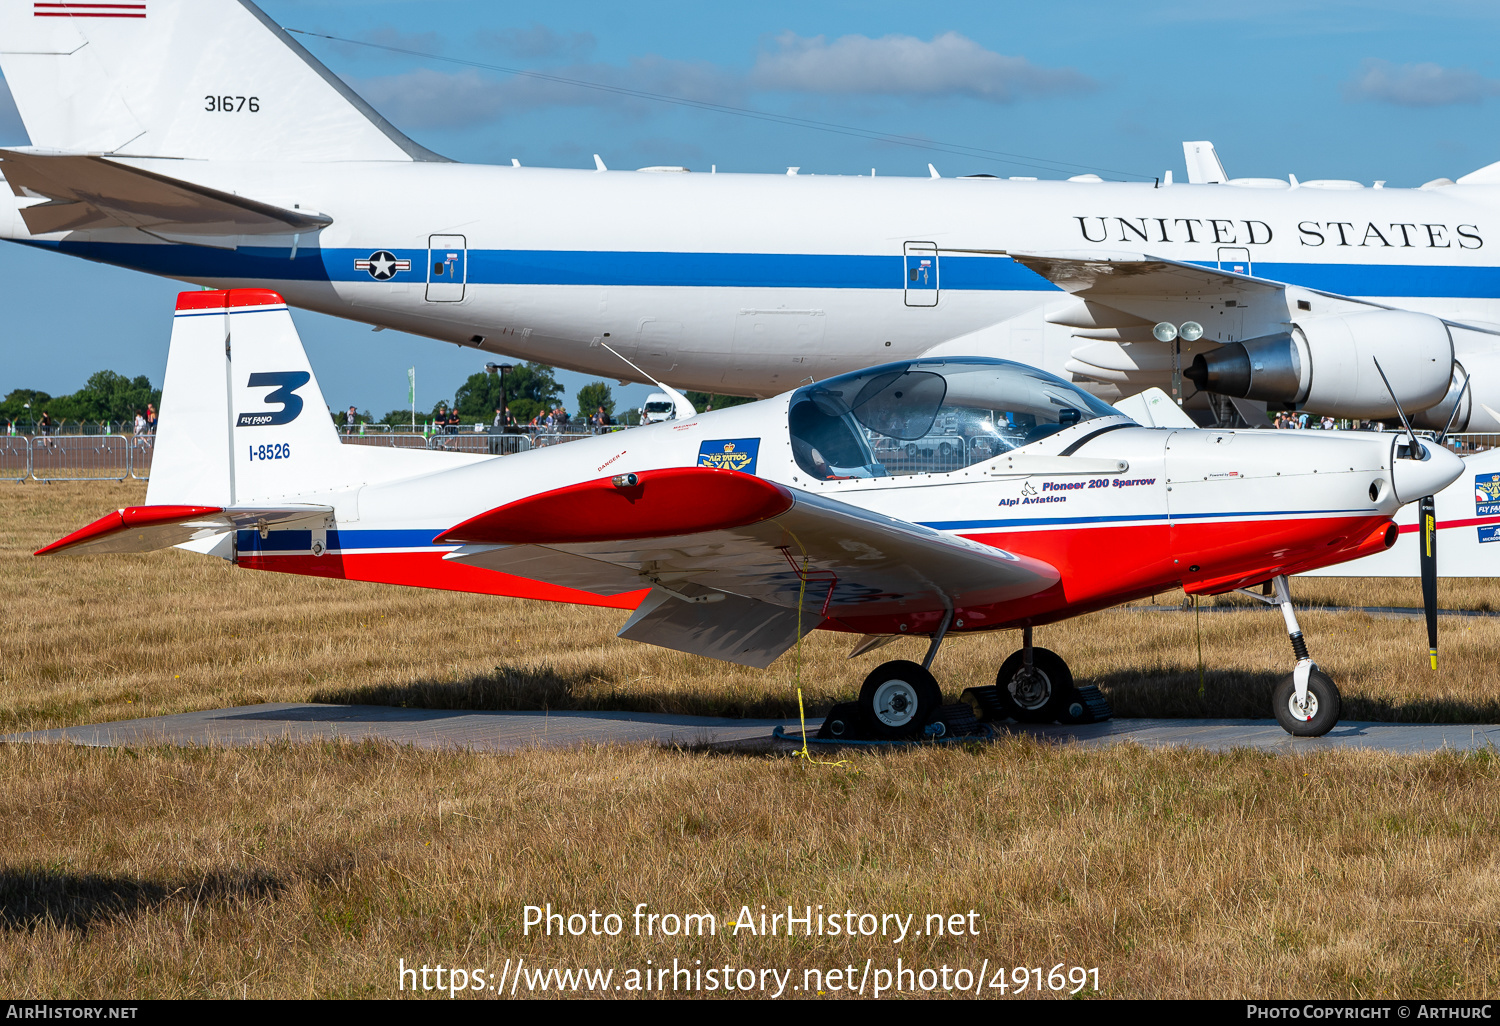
[(271, 451)]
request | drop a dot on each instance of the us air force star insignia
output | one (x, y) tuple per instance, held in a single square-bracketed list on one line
[(382, 265)]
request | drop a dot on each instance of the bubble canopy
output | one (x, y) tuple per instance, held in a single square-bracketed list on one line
[(930, 416)]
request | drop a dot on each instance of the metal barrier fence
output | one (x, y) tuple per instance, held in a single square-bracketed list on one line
[(556, 439), (141, 448), (393, 440), (15, 458), (80, 458), (1466, 443)]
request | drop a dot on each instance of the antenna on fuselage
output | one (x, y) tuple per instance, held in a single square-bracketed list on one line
[(685, 409)]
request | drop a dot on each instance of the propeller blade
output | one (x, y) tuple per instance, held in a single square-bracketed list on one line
[(1457, 405), (1427, 520), (1411, 436)]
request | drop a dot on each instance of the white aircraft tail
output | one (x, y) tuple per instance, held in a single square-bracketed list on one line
[(201, 79), (243, 420)]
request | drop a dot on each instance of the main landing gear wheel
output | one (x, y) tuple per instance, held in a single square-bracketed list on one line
[(1039, 695), (898, 699), (1320, 713)]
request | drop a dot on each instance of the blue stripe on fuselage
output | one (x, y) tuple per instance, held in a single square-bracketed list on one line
[(340, 540), (729, 270)]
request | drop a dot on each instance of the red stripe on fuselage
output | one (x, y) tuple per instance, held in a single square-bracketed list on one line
[(1101, 567), (431, 570), (1445, 525)]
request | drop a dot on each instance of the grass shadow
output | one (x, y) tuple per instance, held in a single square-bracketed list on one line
[(31, 898), (513, 688), (1236, 694)]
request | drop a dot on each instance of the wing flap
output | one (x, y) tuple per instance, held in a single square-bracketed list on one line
[(734, 629), (91, 192)]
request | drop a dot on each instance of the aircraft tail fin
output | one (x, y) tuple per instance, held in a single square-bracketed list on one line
[(242, 419), (200, 79), (243, 423)]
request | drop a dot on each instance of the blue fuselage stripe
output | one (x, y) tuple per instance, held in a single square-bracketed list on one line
[(974, 525), (729, 270), (345, 540)]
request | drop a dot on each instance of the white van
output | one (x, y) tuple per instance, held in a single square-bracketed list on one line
[(659, 407)]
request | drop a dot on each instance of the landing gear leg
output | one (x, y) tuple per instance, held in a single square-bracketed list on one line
[(1306, 702)]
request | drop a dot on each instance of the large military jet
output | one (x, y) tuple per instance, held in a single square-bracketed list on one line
[(196, 139)]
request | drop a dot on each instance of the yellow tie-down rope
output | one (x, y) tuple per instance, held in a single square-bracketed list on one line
[(804, 754)]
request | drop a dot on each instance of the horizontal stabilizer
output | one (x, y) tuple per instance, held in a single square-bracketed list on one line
[(91, 192), (147, 528)]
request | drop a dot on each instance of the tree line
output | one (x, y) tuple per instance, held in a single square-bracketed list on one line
[(531, 391), (107, 396)]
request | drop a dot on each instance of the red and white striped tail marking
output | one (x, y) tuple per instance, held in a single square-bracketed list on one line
[(76, 10)]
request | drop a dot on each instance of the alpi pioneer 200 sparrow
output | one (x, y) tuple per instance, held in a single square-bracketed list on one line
[(731, 533)]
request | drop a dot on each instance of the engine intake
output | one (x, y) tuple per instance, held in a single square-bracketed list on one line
[(1327, 364)]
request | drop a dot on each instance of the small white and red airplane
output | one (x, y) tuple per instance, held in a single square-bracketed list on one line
[(733, 533)]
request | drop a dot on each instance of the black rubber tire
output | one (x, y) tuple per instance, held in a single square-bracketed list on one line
[(1322, 694), (1057, 687), (898, 699)]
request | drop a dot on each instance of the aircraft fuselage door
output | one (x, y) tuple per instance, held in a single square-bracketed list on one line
[(447, 268), (921, 274), (1234, 258)]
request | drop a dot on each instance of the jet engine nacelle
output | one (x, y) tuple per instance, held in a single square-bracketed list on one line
[(1327, 364)]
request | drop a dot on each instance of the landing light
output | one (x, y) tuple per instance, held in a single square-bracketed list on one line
[(1191, 331), (1164, 332)]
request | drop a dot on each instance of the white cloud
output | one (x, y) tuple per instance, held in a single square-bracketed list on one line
[(538, 42), (947, 65), (900, 66), (1418, 85), (432, 99)]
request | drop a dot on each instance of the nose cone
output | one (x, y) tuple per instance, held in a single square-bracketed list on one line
[(1413, 478)]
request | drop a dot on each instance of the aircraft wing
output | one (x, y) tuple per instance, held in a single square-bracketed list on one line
[(730, 557), (89, 192), (147, 528), (1103, 278)]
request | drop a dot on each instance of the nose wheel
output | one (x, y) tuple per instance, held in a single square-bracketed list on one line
[(1312, 715), (1306, 702)]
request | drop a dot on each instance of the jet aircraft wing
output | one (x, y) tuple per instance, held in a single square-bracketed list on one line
[(90, 192), (1136, 280), (738, 564), (1138, 276)]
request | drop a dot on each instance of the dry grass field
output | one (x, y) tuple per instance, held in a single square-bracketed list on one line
[(312, 870)]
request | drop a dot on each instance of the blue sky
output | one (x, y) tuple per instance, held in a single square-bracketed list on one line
[(1377, 90)]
